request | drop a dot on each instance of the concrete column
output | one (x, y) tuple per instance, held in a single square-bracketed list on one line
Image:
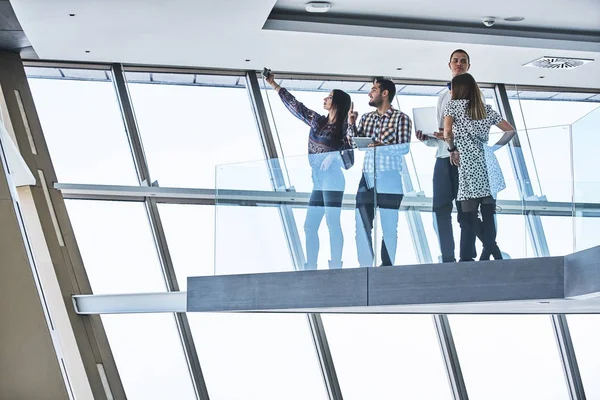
[(80, 344), (29, 367)]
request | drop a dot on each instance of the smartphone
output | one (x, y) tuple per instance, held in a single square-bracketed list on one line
[(266, 72)]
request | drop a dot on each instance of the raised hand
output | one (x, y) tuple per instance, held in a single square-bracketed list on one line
[(352, 115), (271, 80)]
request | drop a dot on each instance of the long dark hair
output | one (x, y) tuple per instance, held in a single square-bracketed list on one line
[(465, 87), (342, 101)]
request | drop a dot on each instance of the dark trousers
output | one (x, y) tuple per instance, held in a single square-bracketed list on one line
[(445, 189), (470, 208), (387, 195), (325, 200)]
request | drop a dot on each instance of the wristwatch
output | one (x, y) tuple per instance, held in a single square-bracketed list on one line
[(451, 149)]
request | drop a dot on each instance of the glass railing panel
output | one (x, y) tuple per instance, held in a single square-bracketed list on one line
[(547, 198), (586, 182), (551, 162), (329, 232), (313, 228), (511, 220), (249, 233), (558, 233)]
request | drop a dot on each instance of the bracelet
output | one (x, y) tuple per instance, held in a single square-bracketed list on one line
[(451, 149), (277, 87)]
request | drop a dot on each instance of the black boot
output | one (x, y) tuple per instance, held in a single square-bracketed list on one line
[(490, 248), (497, 253), (485, 255), (467, 235)]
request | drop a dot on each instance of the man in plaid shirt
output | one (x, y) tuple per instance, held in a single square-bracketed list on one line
[(381, 182)]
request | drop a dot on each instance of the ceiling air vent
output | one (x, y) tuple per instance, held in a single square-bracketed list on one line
[(557, 63)]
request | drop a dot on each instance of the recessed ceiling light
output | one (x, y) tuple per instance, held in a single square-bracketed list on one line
[(514, 19), (247, 60), (87, 51), (318, 6), (399, 69), (542, 77), (71, 15)]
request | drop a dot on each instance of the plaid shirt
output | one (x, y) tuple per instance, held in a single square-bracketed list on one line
[(392, 128)]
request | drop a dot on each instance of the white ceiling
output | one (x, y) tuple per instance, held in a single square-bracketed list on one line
[(549, 14), (223, 34)]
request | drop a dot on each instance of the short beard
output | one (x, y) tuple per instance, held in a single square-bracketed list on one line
[(376, 102)]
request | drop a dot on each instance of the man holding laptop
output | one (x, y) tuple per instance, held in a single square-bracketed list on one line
[(388, 132), (445, 175)]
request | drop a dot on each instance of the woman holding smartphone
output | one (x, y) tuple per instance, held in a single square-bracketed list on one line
[(467, 123), (326, 138)]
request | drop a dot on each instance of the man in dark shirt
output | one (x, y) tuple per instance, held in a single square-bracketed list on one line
[(381, 182)]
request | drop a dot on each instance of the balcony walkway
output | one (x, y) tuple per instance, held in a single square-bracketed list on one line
[(548, 285)]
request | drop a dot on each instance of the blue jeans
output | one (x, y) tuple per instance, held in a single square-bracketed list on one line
[(325, 200), (387, 195)]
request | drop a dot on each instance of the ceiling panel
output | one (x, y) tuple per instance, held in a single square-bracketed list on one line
[(8, 19), (184, 33), (12, 37), (548, 14)]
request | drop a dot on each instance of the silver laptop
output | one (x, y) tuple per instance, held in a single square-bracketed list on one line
[(363, 142)]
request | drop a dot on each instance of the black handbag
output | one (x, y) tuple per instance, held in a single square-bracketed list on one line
[(347, 152)]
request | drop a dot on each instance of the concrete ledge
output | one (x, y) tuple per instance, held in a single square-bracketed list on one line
[(582, 273), (521, 279), (560, 284), (278, 290)]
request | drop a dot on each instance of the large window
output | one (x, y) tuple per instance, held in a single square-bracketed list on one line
[(540, 109), (149, 357), (116, 246), (584, 331), (543, 119), (188, 128), (189, 230), (257, 356), (192, 126), (83, 127), (387, 357), (509, 357)]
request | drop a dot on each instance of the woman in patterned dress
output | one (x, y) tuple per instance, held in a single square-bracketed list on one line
[(467, 123), (326, 138)]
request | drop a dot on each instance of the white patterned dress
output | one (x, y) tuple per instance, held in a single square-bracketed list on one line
[(471, 137)]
